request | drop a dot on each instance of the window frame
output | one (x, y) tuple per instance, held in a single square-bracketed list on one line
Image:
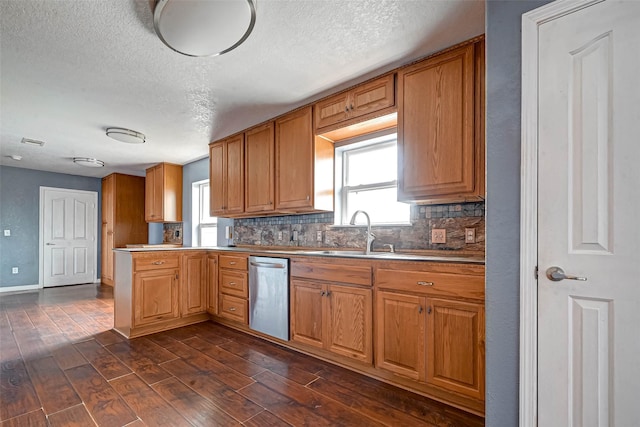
[(201, 219), (342, 152)]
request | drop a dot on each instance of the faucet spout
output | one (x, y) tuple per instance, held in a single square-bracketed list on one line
[(370, 236)]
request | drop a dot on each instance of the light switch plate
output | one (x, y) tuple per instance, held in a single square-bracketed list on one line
[(279, 235), (438, 235), (7, 233), (319, 236), (294, 235)]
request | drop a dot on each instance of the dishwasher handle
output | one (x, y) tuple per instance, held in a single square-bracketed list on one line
[(267, 264)]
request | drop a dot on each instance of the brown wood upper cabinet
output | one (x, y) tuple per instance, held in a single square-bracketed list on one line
[(163, 193), (226, 176), (440, 127), (122, 217), (376, 97), (259, 169), (304, 165)]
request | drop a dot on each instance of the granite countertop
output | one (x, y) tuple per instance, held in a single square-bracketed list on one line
[(434, 256)]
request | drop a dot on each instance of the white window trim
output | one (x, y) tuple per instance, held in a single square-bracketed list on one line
[(342, 189), (198, 225)]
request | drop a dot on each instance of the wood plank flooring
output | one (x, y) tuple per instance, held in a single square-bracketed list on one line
[(62, 365)]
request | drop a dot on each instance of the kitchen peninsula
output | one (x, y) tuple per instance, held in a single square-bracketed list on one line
[(415, 320)]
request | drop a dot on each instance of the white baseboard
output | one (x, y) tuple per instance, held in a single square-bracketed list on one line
[(19, 288)]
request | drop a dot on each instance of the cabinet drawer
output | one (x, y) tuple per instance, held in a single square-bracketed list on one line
[(234, 262), (425, 282), (147, 262), (357, 275), (234, 283), (233, 308)]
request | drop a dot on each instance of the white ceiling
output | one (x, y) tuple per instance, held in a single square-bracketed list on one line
[(71, 68)]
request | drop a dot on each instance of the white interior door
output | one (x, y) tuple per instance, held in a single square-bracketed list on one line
[(588, 218), (69, 227)]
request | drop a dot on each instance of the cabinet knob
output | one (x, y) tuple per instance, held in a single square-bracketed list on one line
[(429, 310), (351, 106), (420, 309), (346, 108), (322, 293)]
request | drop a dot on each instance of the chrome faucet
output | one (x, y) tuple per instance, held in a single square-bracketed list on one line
[(370, 236)]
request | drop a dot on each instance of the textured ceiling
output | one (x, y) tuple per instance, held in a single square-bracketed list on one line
[(71, 68)]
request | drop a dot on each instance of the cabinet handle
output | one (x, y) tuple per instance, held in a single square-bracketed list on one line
[(158, 263), (421, 283), (346, 108), (420, 309), (232, 263), (429, 310), (328, 293), (322, 293), (232, 309), (232, 283), (351, 107), (308, 197)]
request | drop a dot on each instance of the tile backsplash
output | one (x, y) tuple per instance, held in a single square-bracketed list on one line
[(454, 218), (172, 233)]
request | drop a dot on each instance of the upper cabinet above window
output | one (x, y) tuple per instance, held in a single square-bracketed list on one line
[(370, 99), (441, 127)]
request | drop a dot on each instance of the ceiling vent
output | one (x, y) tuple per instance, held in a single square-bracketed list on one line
[(32, 142)]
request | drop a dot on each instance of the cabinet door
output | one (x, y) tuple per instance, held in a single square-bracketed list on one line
[(436, 147), (350, 323), (150, 214), (217, 178), (212, 276), (259, 169), (294, 160), (307, 313), (194, 283), (372, 96), (400, 334), (155, 296), (455, 346), (235, 175), (332, 110), (107, 255), (158, 193)]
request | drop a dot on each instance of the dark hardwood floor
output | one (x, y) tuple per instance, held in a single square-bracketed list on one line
[(62, 365)]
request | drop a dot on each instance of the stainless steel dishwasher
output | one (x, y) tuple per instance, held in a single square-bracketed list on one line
[(269, 296)]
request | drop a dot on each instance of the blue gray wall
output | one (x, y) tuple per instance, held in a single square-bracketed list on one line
[(503, 36), (19, 212)]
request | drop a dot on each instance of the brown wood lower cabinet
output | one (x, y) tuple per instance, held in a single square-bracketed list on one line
[(430, 327), (193, 289), (455, 346), (212, 278), (400, 337), (328, 313), (156, 296), (233, 287)]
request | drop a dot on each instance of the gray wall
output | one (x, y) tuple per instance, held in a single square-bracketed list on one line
[(19, 212), (194, 172), (503, 35)]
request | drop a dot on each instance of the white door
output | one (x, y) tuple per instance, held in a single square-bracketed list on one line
[(69, 227), (589, 217)]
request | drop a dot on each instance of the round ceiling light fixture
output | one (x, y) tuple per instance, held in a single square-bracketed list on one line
[(204, 27), (88, 162), (126, 135)]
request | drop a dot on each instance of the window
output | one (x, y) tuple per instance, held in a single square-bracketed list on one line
[(367, 179), (205, 227)]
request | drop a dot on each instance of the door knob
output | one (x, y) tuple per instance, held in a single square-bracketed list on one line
[(557, 274)]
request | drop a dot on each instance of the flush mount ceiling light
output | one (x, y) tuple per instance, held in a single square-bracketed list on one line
[(126, 135), (88, 162), (204, 27)]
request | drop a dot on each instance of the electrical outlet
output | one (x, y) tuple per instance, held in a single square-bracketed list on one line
[(438, 235), (294, 235), (7, 233), (14, 270), (319, 236), (279, 235), (469, 235)]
